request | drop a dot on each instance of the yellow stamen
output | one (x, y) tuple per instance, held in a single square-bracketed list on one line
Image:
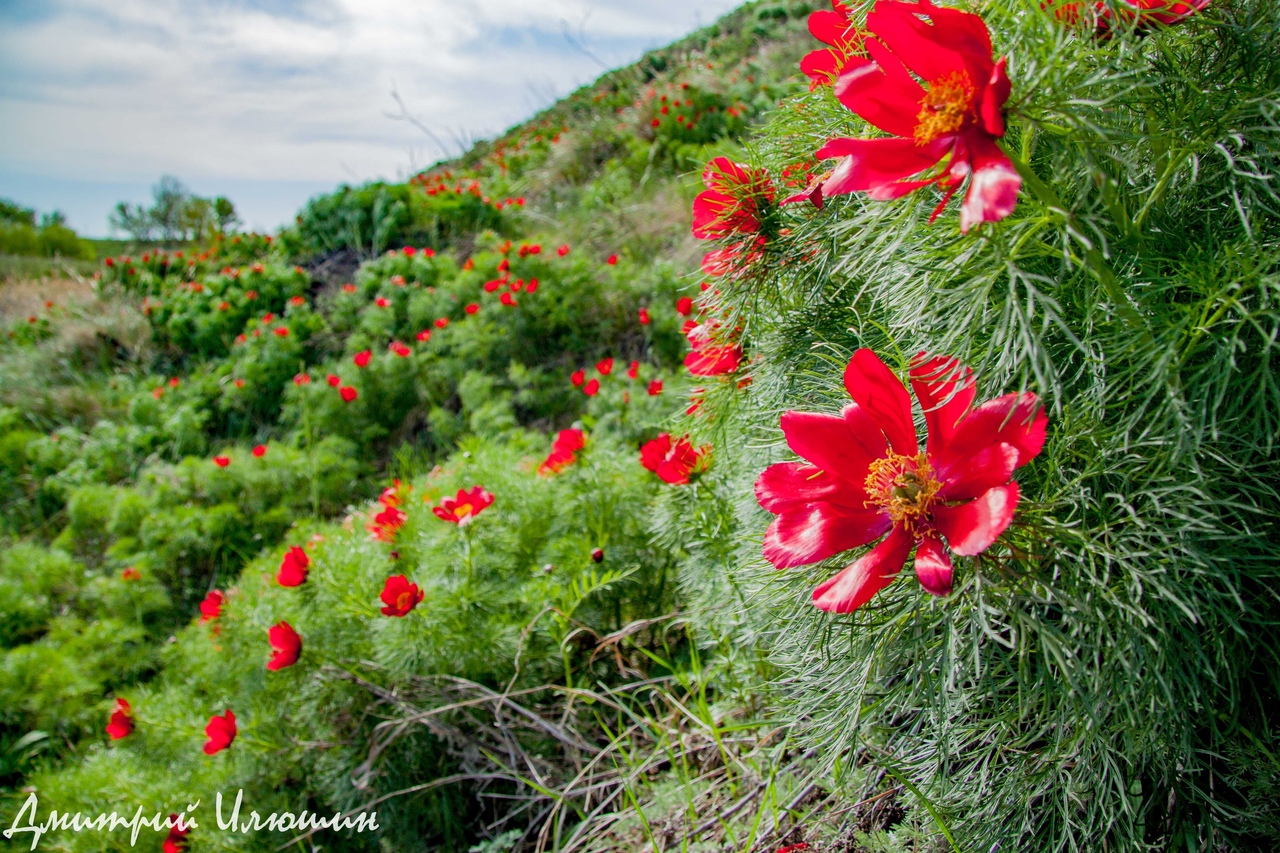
[(944, 107), (462, 511), (904, 486)]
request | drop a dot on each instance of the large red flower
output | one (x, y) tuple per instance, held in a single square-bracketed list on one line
[(710, 357), (864, 476), (464, 507), (673, 461), (211, 607), (944, 132), (835, 29), (120, 725), (400, 596), (563, 451), (293, 568), (286, 646), (176, 841), (221, 731), (731, 204)]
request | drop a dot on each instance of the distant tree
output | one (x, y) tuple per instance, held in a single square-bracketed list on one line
[(171, 197), (52, 220), (12, 213), (133, 219), (195, 219), (224, 214)]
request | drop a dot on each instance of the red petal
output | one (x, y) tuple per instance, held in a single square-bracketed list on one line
[(994, 96), (880, 393), (833, 443), (803, 534), (881, 91), (966, 478), (858, 583), (933, 566), (993, 186), (830, 28), (971, 528), (880, 167), (822, 66), (1014, 419), (945, 388), (952, 41), (788, 483)]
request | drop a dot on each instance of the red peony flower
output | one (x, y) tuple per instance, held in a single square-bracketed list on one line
[(333, 380), (604, 366), (424, 336), (281, 332), (833, 28), (286, 645), (612, 260), (302, 379), (684, 306), (592, 388), (221, 461), (473, 308), (348, 394), (563, 250), (730, 205), (348, 288), (400, 596), (633, 370), (120, 725), (361, 359), (221, 731), (644, 316), (400, 349), (577, 378), (508, 300), (710, 358), (865, 476), (260, 451), (293, 568), (955, 118), (387, 523), (442, 322), (568, 442), (211, 607), (1144, 12), (176, 840), (382, 302), (464, 507), (130, 574), (673, 462), (655, 387)]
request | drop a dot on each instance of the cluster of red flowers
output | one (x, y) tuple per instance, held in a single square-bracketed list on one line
[(674, 461), (386, 523), (864, 476), (1143, 13), (604, 368), (563, 451)]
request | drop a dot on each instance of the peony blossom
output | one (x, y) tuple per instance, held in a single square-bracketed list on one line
[(592, 388), (400, 596), (259, 451), (286, 646), (563, 451), (943, 132), (361, 359), (348, 394), (385, 524), (221, 731), (864, 476), (333, 380), (176, 840), (424, 336), (612, 260), (222, 461), (835, 29), (441, 322), (604, 366), (644, 317), (731, 204), (709, 357), (633, 370), (293, 568), (684, 306), (400, 349), (577, 378), (673, 461), (463, 507), (211, 607), (1143, 12), (120, 725), (655, 387)]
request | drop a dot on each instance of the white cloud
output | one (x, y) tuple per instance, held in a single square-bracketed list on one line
[(125, 90)]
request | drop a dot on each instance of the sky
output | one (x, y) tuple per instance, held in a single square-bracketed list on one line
[(270, 103)]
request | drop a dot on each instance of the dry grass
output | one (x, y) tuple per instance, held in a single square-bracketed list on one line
[(27, 297)]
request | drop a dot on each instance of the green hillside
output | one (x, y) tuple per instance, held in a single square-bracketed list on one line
[(463, 500)]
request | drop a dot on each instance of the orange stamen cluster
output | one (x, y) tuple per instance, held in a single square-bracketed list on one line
[(944, 108), (903, 486)]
